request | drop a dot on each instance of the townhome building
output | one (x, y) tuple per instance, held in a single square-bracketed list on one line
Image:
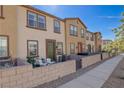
[(26, 31), (39, 33), (74, 35), (98, 41), (90, 42)]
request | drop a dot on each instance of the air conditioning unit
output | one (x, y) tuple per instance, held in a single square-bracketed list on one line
[(59, 58)]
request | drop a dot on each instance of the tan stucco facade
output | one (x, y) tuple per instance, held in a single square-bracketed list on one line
[(14, 25), (74, 39), (90, 40), (8, 27), (98, 41), (25, 33)]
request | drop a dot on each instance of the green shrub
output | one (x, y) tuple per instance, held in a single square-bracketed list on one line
[(31, 60)]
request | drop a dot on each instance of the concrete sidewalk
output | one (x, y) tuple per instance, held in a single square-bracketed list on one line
[(96, 77)]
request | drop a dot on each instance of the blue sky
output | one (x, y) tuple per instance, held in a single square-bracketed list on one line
[(101, 18)]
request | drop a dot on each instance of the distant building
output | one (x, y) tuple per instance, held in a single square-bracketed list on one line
[(105, 42)]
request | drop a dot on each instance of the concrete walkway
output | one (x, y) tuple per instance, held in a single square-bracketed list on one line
[(96, 77)]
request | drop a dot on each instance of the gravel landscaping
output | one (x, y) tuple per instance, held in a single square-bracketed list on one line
[(116, 80), (65, 79)]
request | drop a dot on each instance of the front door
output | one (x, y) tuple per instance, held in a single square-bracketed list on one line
[(4, 50), (51, 49), (79, 47), (89, 48)]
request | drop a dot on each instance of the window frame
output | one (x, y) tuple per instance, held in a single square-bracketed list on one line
[(87, 36), (28, 19), (44, 22), (82, 34), (37, 14), (92, 37), (28, 54), (73, 33), (59, 31)]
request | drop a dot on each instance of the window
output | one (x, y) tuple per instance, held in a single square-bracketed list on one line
[(82, 32), (57, 26), (32, 19), (1, 11), (3, 46), (59, 48), (72, 48), (73, 30), (32, 46), (41, 22), (87, 36), (36, 21), (99, 37), (92, 37)]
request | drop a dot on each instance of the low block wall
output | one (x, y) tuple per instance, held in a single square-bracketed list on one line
[(105, 55), (89, 60), (26, 76)]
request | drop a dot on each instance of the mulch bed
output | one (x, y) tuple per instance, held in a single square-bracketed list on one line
[(116, 80), (65, 79)]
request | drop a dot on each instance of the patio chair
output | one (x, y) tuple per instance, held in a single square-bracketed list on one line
[(41, 63)]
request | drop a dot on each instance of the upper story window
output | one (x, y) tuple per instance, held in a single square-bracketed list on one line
[(57, 26), (41, 22), (99, 37), (73, 30), (1, 11), (82, 32), (36, 21), (87, 36), (92, 37), (32, 19)]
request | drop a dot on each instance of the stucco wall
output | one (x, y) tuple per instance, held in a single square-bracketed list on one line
[(26, 76), (25, 33), (8, 26)]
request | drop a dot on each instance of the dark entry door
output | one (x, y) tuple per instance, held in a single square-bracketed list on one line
[(50, 49)]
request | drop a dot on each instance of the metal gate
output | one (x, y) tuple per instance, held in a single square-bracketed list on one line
[(78, 65)]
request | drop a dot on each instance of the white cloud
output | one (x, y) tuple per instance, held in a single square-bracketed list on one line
[(110, 17)]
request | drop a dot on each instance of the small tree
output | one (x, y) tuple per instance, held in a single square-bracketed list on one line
[(117, 46)]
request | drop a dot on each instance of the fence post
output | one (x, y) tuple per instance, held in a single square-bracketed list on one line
[(101, 56)]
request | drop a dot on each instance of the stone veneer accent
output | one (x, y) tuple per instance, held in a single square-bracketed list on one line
[(26, 76)]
